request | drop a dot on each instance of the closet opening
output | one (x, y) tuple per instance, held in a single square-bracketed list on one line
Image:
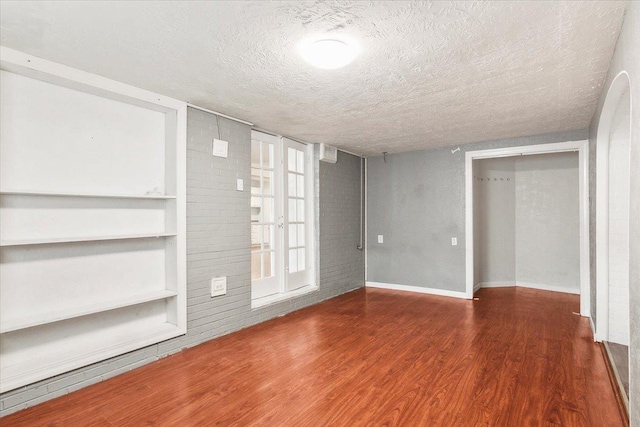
[(538, 227)]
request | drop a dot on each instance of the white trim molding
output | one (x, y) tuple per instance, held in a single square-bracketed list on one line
[(617, 88), (528, 285), (417, 289), (582, 147)]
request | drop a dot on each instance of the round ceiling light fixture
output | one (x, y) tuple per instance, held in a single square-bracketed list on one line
[(328, 54)]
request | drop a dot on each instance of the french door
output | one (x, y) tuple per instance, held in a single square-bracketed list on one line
[(281, 215)]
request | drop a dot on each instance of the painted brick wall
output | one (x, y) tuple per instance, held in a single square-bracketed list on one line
[(218, 241)]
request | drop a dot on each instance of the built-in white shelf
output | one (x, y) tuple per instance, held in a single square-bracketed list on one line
[(55, 240), (93, 219), (89, 195), (70, 313), (91, 349)]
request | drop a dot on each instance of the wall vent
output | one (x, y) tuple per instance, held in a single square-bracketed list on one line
[(328, 153)]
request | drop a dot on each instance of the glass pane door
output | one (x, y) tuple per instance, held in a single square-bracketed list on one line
[(264, 225), (296, 225)]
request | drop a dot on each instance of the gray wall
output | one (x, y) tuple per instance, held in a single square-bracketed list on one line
[(548, 220), (218, 243), (625, 58), (416, 200), (494, 213)]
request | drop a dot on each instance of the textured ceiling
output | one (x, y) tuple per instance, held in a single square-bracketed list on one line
[(428, 74)]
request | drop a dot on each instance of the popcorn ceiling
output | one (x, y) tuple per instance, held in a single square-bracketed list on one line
[(428, 74)]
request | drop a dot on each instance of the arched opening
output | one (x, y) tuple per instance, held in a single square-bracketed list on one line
[(613, 194)]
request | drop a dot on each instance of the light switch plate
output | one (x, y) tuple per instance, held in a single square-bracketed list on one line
[(240, 184), (380, 238), (220, 148), (454, 241), (218, 286)]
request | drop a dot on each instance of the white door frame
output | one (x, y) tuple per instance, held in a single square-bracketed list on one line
[(618, 86), (582, 147)]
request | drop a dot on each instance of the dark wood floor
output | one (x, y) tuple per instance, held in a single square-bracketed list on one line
[(516, 357)]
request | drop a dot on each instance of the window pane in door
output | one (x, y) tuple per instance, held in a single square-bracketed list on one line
[(292, 210), (267, 155), (293, 241), (300, 210), (255, 265), (291, 159), (267, 183), (293, 260), (268, 235), (300, 234), (255, 154), (292, 185), (255, 235), (300, 162), (300, 192), (301, 259), (268, 264), (267, 210)]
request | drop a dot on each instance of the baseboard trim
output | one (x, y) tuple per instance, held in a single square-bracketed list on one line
[(551, 288), (417, 289), (497, 284), (529, 285), (593, 330)]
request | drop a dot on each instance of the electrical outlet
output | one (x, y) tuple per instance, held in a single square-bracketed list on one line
[(218, 286), (240, 184), (454, 241), (380, 238)]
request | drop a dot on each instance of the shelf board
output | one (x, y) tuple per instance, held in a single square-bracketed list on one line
[(53, 240), (100, 347), (70, 313), (88, 195)]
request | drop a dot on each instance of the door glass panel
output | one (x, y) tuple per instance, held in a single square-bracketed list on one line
[(300, 162), (301, 259), (267, 183), (256, 272), (293, 241), (268, 236), (293, 260), (255, 154), (300, 234), (268, 214), (292, 185), (255, 235), (268, 263), (291, 159), (300, 210), (300, 192), (292, 210), (267, 155)]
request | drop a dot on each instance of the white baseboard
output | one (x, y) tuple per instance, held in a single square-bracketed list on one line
[(552, 288), (531, 286), (593, 330), (497, 284), (476, 287), (418, 289)]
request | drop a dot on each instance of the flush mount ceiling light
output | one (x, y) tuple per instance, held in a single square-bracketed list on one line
[(329, 53)]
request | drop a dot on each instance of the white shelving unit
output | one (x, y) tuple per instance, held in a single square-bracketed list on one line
[(92, 219)]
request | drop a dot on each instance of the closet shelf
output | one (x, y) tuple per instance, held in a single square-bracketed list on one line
[(87, 195), (54, 240), (70, 313)]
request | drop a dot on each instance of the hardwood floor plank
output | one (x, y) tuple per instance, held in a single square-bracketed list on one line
[(515, 357)]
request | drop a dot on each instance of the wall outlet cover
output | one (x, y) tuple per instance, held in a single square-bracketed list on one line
[(240, 184), (218, 286), (454, 241), (380, 238)]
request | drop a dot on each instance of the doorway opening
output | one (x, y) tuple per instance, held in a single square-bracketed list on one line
[(582, 147), (612, 229), (526, 222)]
